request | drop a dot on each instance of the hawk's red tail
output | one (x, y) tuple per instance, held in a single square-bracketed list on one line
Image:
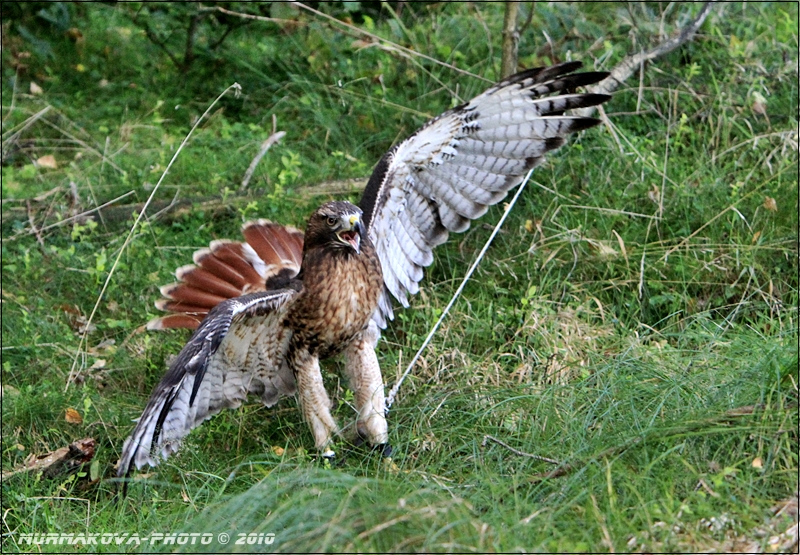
[(229, 269)]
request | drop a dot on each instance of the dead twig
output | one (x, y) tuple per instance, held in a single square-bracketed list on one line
[(174, 209), (13, 134), (38, 198), (250, 16), (274, 138), (611, 211), (607, 122), (85, 214), (82, 215), (34, 229), (166, 209), (517, 451), (63, 460), (10, 134)]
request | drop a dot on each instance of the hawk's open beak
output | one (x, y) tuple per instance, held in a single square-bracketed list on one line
[(350, 233)]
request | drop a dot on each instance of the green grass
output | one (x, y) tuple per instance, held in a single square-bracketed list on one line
[(636, 320)]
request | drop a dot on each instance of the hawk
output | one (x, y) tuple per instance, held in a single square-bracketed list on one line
[(266, 311)]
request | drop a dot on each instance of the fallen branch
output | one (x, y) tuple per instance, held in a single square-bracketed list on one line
[(172, 210), (626, 67), (113, 213), (79, 217), (61, 461)]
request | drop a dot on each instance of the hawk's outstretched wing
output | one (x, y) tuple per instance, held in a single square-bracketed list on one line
[(238, 349), (458, 164)]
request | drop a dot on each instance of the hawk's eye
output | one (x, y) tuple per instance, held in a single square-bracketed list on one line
[(331, 221)]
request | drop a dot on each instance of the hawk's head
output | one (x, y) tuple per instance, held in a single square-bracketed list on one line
[(336, 225)]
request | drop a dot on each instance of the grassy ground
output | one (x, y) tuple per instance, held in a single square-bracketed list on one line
[(635, 321)]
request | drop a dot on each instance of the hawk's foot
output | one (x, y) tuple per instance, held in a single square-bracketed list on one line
[(385, 450)]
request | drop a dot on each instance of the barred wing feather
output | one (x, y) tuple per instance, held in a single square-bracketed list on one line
[(237, 350), (458, 164)]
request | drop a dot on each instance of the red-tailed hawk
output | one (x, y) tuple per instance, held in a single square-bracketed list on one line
[(269, 309)]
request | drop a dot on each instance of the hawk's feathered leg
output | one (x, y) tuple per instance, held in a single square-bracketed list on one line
[(362, 370), (312, 397)]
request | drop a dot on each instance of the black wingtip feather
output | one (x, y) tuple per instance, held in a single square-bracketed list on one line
[(583, 123), (595, 76), (571, 82), (553, 143), (162, 416), (125, 471), (539, 74), (563, 68), (593, 99)]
